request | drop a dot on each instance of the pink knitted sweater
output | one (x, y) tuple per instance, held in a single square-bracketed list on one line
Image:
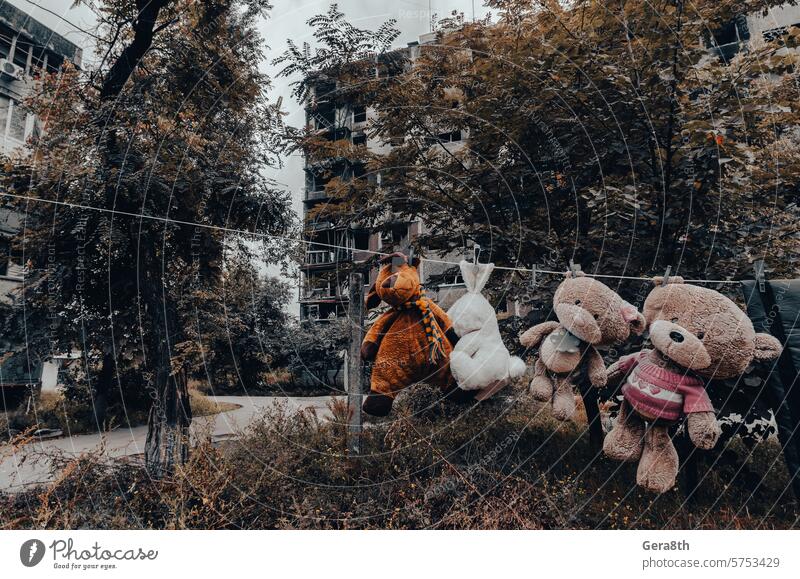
[(659, 392)]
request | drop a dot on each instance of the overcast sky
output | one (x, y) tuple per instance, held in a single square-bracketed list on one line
[(286, 20)]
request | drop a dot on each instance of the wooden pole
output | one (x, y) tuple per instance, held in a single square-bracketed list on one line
[(354, 364)]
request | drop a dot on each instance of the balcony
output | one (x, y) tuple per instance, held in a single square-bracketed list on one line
[(326, 257), (319, 225), (323, 294), (331, 133), (315, 195)]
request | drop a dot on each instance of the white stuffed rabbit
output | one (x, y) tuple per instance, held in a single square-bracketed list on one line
[(479, 360)]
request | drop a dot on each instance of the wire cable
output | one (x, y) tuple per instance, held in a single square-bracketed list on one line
[(322, 244)]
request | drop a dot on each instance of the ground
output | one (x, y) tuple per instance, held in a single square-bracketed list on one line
[(505, 464), (31, 465)]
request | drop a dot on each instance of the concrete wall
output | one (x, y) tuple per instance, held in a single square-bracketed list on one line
[(781, 16)]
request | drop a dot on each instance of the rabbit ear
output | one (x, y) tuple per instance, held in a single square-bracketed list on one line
[(484, 271), (475, 275), (469, 274)]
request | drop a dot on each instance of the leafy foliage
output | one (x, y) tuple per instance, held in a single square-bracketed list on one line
[(342, 50), (131, 205), (244, 338), (313, 353), (608, 133)]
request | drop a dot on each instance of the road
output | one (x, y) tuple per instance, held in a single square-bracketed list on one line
[(17, 473)]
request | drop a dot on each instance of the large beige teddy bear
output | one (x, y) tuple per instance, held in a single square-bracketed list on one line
[(590, 316), (697, 334)]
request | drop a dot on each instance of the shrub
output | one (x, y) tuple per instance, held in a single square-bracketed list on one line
[(432, 464)]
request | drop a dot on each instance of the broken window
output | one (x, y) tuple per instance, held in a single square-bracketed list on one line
[(359, 114)]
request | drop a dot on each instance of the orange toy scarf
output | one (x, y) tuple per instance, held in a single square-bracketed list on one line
[(432, 330)]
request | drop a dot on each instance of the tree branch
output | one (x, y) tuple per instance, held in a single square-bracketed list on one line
[(120, 72)]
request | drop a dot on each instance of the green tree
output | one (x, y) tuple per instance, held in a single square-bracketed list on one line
[(604, 132), (165, 143), (247, 335)]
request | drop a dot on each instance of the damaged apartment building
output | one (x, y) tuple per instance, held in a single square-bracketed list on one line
[(28, 50), (323, 277)]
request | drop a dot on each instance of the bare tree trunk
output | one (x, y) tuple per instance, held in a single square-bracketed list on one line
[(168, 427), (667, 234), (170, 415), (102, 391)]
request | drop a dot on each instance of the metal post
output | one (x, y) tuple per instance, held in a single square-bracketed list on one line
[(354, 364), (783, 393)]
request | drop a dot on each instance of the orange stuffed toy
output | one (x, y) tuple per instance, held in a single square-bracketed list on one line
[(411, 342)]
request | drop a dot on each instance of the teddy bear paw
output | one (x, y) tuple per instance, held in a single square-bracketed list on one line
[(377, 404), (704, 430), (541, 388), (624, 443), (564, 406)]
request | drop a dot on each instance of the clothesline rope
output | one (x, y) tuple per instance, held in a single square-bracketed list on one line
[(326, 245)]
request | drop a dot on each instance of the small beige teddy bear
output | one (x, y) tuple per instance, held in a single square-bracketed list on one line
[(590, 316)]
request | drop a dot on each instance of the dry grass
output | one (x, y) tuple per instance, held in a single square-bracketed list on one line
[(202, 405), (278, 377), (53, 410), (503, 464)]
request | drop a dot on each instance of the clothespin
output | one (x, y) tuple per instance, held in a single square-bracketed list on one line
[(758, 267), (574, 268), (534, 282), (666, 274)]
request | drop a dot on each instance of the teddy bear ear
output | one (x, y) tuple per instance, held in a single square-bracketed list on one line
[(569, 274), (373, 300), (633, 318), (659, 280), (394, 258), (767, 347)]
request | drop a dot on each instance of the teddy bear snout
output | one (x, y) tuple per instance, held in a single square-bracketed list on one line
[(579, 322), (679, 345)]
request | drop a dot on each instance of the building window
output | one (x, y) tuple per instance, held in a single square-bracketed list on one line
[(16, 124), (316, 182), (448, 137), (360, 139), (13, 119), (5, 109), (21, 55), (727, 40), (361, 239), (359, 114), (4, 256)]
